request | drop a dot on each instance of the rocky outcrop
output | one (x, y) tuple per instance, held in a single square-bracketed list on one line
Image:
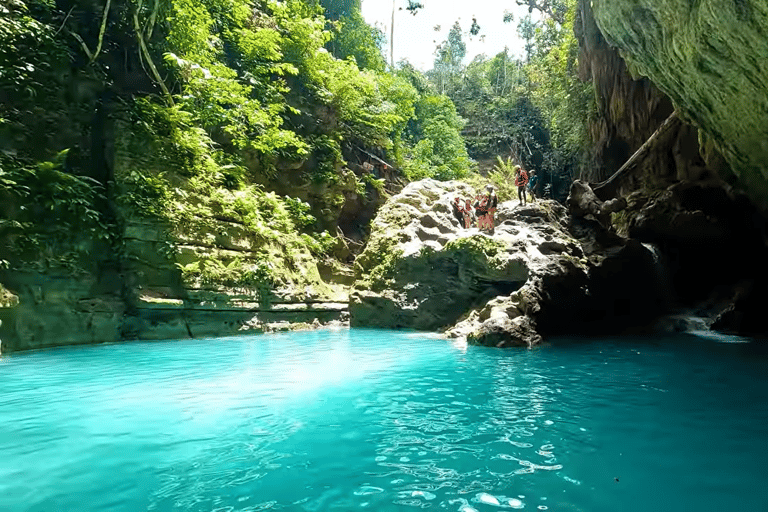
[(629, 108), (709, 58), (148, 297), (695, 195), (713, 245), (536, 274)]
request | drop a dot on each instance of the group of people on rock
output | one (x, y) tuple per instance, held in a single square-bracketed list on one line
[(485, 205), (484, 208), (525, 183)]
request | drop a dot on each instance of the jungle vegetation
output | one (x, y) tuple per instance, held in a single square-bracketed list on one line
[(257, 111)]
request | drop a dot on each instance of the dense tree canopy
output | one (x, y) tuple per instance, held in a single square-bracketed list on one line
[(260, 95)]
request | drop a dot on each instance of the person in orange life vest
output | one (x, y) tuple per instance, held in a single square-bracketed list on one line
[(486, 206), (468, 214), (521, 180)]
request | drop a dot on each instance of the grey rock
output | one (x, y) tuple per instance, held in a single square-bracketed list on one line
[(475, 285)]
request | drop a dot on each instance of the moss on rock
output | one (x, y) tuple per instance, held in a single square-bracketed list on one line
[(709, 58)]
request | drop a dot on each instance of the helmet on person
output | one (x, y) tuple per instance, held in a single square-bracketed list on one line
[(489, 187)]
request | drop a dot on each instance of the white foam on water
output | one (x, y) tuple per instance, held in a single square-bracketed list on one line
[(515, 503), (488, 499)]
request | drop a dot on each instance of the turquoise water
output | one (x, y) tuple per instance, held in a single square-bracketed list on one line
[(383, 421)]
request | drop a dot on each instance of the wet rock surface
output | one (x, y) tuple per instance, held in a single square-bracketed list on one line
[(712, 243)]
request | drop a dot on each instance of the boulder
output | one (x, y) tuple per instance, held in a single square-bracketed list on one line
[(582, 201), (422, 270)]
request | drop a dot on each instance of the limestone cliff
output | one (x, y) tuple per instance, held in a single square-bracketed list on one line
[(709, 58), (698, 190), (629, 110)]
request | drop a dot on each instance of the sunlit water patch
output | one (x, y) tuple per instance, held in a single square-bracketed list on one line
[(385, 421)]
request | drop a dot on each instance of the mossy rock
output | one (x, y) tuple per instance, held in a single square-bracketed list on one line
[(7, 299), (709, 57)]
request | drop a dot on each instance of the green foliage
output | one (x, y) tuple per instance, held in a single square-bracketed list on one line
[(179, 145), (235, 274), (534, 110), (477, 246), (383, 261), (27, 51), (147, 194), (503, 176), (566, 101), (352, 36), (299, 212), (56, 216), (376, 184), (321, 244), (448, 62), (439, 150)]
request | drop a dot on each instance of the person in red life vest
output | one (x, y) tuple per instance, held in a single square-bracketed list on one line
[(521, 180), (468, 214), (490, 201), (480, 211), (485, 206)]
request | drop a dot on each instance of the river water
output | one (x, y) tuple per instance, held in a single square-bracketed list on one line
[(383, 421)]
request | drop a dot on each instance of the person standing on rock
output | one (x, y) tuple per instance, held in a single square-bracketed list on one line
[(521, 180), (485, 207), (468, 214), (493, 201), (458, 210), (532, 185)]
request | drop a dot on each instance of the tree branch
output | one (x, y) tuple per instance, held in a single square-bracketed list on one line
[(82, 43), (607, 189), (147, 56), (152, 20), (101, 31), (65, 21)]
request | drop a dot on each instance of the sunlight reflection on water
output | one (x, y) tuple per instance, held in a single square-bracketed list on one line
[(381, 420)]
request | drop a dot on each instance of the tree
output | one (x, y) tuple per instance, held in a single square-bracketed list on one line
[(526, 29), (352, 36), (448, 59), (555, 9)]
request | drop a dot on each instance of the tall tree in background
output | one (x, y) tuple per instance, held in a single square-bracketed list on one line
[(553, 9), (526, 29), (448, 59), (352, 36)]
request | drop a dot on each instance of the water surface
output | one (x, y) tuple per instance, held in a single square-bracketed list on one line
[(380, 420)]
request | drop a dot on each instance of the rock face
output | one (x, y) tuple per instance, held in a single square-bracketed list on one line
[(709, 58), (711, 232), (629, 110), (530, 277)]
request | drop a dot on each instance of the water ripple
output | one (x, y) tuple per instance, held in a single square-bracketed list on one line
[(383, 421)]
